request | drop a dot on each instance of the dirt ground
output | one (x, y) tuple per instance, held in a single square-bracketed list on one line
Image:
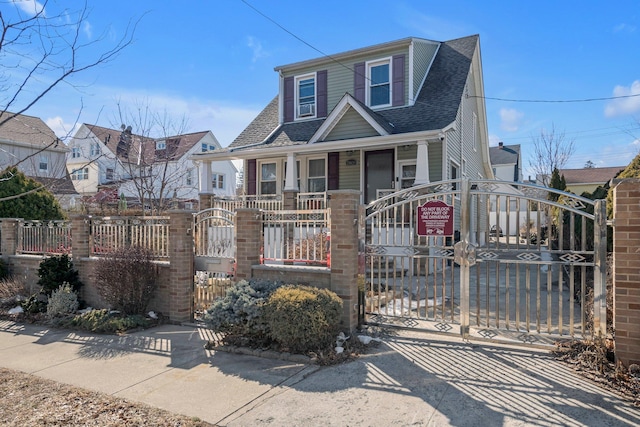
[(28, 400)]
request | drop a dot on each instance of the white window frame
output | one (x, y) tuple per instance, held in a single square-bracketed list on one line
[(204, 147), (475, 132), (95, 149), (400, 178), (218, 180), (161, 145), (189, 177), (80, 174), (452, 164), (298, 80), (277, 179), (43, 164), (109, 174), (75, 152), (369, 66), (307, 168)]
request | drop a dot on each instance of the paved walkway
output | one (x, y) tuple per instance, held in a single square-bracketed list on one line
[(410, 379)]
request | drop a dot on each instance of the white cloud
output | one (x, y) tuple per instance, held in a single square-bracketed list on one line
[(87, 28), (429, 26), (624, 28), (31, 7), (60, 128), (628, 105), (494, 140), (256, 46), (510, 119)]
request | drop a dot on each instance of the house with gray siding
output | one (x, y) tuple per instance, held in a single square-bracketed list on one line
[(375, 119)]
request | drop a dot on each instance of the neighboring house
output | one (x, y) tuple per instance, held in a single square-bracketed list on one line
[(506, 162), (30, 144), (383, 117), (140, 167), (588, 179)]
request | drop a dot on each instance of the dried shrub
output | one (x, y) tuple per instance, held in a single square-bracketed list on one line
[(62, 301), (239, 313), (126, 279), (55, 271), (4, 270), (12, 290), (303, 318)]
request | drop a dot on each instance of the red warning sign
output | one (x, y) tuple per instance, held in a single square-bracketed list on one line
[(435, 218)]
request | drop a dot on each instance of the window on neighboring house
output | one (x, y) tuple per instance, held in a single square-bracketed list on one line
[(44, 163), (205, 147), (95, 149), (109, 174), (161, 145), (217, 180), (80, 174), (189, 177), (212, 147), (317, 176), (306, 96), (454, 174), (75, 152), (268, 178), (475, 132), (379, 83)]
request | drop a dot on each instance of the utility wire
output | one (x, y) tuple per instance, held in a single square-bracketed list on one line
[(608, 98)]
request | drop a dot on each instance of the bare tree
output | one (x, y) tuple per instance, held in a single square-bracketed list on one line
[(40, 49), (551, 150), (149, 153), (589, 165)]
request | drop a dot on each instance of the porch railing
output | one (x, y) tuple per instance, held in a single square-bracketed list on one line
[(296, 237), (44, 237), (265, 202), (110, 233)]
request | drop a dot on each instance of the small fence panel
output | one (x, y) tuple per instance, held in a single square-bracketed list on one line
[(44, 237), (265, 202), (111, 233), (296, 237)]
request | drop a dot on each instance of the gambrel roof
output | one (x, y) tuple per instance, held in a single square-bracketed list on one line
[(435, 107)]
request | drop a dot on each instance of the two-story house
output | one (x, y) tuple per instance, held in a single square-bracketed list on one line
[(141, 168), (506, 162), (28, 143), (383, 117)]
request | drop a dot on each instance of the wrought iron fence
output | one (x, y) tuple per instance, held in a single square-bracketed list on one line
[(298, 237), (44, 237), (110, 233)]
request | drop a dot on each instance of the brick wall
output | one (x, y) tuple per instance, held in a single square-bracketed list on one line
[(626, 270)]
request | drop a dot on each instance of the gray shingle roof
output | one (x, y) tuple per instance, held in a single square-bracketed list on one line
[(435, 108), (505, 155), (590, 175), (26, 129)]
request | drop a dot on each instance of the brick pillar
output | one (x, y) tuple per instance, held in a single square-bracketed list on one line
[(181, 266), (626, 270), (9, 233), (205, 200), (289, 201), (80, 227), (344, 252), (248, 241)]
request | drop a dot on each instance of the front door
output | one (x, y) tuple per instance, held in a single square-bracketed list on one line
[(378, 173)]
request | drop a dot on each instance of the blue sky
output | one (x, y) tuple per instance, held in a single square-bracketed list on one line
[(213, 61)]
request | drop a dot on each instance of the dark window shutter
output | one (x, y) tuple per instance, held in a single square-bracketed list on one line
[(359, 86), (398, 80), (289, 99), (333, 166), (321, 87), (251, 175)]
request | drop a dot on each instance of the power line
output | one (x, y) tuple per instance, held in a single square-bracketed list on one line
[(556, 101)]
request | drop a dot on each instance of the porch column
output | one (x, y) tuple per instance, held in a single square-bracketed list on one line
[(205, 177), (422, 163), (291, 181)]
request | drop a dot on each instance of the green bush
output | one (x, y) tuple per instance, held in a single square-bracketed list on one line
[(36, 303), (62, 301), (55, 271), (127, 278), (303, 318), (106, 321), (239, 313)]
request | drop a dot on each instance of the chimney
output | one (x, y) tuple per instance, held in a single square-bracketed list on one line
[(501, 145)]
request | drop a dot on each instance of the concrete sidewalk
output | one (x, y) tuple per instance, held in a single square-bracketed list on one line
[(410, 379)]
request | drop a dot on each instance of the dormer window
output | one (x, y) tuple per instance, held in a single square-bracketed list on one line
[(379, 83), (306, 96)]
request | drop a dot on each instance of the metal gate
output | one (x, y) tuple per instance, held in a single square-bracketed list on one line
[(214, 256), (525, 263)]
